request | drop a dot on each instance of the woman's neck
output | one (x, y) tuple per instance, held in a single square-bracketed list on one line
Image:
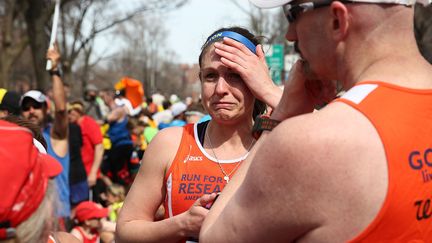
[(229, 141)]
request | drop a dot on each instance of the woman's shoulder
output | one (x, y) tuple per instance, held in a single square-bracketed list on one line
[(166, 140), (169, 134), (162, 150)]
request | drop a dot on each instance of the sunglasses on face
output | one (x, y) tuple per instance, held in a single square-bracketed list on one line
[(292, 11), (35, 105)]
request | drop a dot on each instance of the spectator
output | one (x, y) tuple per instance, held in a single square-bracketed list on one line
[(94, 106), (121, 100), (115, 198), (151, 106), (34, 108), (27, 206), (79, 189), (92, 149), (179, 118), (164, 117), (194, 113), (118, 159), (88, 216), (150, 129), (9, 103)]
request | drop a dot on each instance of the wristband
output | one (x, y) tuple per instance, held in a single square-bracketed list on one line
[(55, 72), (263, 122)]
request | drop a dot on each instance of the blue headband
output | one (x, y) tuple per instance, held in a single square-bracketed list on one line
[(233, 35)]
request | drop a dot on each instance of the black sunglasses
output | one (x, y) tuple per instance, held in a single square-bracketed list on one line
[(292, 11), (34, 105)]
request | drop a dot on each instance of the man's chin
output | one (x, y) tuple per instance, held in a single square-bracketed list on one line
[(308, 72), (35, 121)]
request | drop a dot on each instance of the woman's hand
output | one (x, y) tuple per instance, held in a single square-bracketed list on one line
[(192, 219), (252, 69)]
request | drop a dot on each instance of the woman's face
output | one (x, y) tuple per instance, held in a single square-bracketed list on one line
[(73, 116), (224, 94)]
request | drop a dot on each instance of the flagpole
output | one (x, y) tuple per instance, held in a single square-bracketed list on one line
[(53, 36)]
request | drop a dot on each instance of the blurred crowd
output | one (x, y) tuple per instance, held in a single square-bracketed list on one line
[(107, 138)]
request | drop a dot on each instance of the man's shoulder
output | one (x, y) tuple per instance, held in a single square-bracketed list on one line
[(324, 160), (333, 134), (308, 129)]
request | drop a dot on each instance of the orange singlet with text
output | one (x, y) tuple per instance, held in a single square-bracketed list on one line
[(403, 119)]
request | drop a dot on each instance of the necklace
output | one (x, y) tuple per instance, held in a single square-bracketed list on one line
[(226, 175)]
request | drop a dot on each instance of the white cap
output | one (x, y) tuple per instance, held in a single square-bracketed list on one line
[(158, 99), (178, 108), (174, 98), (35, 95), (278, 3)]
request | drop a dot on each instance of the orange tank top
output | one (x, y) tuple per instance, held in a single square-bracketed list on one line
[(403, 120), (194, 173)]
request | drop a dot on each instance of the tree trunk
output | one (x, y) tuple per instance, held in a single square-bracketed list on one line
[(36, 17), (13, 42), (4, 74)]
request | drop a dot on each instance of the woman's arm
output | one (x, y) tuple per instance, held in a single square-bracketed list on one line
[(136, 221)]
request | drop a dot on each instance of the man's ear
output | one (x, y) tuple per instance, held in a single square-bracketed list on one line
[(340, 20)]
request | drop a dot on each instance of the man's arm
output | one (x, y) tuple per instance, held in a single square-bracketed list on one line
[(96, 140), (98, 156), (274, 193), (117, 114), (60, 125)]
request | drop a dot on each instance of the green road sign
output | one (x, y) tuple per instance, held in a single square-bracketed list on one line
[(275, 61)]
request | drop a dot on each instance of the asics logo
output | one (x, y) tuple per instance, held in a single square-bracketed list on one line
[(193, 158)]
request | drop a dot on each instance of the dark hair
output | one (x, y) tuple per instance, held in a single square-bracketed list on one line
[(120, 92), (166, 104), (242, 31), (36, 130), (259, 106)]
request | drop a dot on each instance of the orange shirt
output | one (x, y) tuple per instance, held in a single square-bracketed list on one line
[(403, 120), (194, 173), (51, 239)]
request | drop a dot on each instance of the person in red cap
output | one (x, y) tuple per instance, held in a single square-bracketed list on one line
[(26, 172), (88, 216)]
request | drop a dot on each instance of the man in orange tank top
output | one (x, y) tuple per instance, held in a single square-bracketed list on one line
[(358, 170)]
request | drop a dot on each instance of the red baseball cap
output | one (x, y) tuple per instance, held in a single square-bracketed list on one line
[(89, 210), (25, 169)]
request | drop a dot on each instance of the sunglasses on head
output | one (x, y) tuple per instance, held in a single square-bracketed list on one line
[(34, 105), (292, 11)]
